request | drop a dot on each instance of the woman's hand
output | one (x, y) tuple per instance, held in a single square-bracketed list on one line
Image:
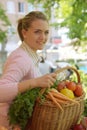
[(3, 128), (46, 80), (43, 82)]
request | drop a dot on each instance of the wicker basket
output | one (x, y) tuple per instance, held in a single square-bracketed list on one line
[(47, 116)]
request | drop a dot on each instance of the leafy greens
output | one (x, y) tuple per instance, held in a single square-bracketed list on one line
[(22, 107)]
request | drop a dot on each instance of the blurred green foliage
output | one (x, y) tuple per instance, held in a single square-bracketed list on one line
[(4, 22), (73, 13)]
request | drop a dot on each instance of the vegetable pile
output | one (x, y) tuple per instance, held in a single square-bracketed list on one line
[(59, 99), (22, 107)]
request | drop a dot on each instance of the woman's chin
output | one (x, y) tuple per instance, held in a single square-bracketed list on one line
[(40, 48)]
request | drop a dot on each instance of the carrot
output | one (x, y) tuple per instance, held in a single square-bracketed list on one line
[(48, 97), (57, 99), (57, 95), (62, 101), (56, 103), (61, 96)]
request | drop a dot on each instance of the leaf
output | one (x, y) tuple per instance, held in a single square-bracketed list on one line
[(22, 107)]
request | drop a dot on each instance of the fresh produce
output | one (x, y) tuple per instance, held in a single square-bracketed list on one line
[(76, 88), (71, 85), (81, 124), (78, 91), (61, 93), (50, 96), (22, 107), (67, 92), (61, 85), (58, 98), (78, 127)]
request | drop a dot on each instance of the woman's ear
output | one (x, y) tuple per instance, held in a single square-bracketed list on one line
[(24, 33)]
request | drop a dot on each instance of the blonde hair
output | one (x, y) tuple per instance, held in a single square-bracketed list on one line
[(25, 23)]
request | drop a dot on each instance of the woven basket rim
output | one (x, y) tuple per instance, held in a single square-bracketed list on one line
[(50, 103), (62, 69), (71, 68)]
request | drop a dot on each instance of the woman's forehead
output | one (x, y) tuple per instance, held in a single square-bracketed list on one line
[(40, 24)]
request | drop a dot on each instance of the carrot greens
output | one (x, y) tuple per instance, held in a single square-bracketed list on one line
[(22, 107)]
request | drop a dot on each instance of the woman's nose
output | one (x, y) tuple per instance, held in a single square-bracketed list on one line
[(43, 36)]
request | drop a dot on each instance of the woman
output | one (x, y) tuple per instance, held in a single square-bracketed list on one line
[(21, 71)]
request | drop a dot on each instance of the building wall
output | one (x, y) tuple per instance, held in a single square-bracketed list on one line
[(15, 15), (12, 11)]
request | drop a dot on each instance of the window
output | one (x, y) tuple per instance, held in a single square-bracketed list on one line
[(30, 7), (21, 7), (10, 7)]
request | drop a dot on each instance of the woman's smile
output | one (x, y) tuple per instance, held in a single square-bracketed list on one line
[(37, 35)]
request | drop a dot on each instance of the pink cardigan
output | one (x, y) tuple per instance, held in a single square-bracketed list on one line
[(19, 66)]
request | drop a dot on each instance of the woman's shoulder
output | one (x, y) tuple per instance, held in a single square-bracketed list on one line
[(19, 53), (19, 56)]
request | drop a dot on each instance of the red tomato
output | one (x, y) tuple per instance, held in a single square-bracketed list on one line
[(71, 85), (67, 82), (79, 91), (61, 85)]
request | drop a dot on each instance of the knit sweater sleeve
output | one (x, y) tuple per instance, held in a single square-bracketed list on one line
[(16, 68)]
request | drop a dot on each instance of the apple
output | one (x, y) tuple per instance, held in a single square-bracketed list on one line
[(78, 127)]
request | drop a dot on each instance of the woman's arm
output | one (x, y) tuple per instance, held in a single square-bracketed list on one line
[(12, 81), (16, 68), (43, 81)]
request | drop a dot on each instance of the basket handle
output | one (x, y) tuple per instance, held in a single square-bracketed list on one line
[(62, 69), (69, 67)]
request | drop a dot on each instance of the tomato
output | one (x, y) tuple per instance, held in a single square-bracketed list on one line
[(61, 85), (79, 91), (67, 82), (71, 85)]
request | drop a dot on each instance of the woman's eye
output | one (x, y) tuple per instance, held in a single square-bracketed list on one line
[(40, 32), (46, 32), (37, 32)]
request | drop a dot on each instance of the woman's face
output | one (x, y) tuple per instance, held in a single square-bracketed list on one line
[(37, 34)]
